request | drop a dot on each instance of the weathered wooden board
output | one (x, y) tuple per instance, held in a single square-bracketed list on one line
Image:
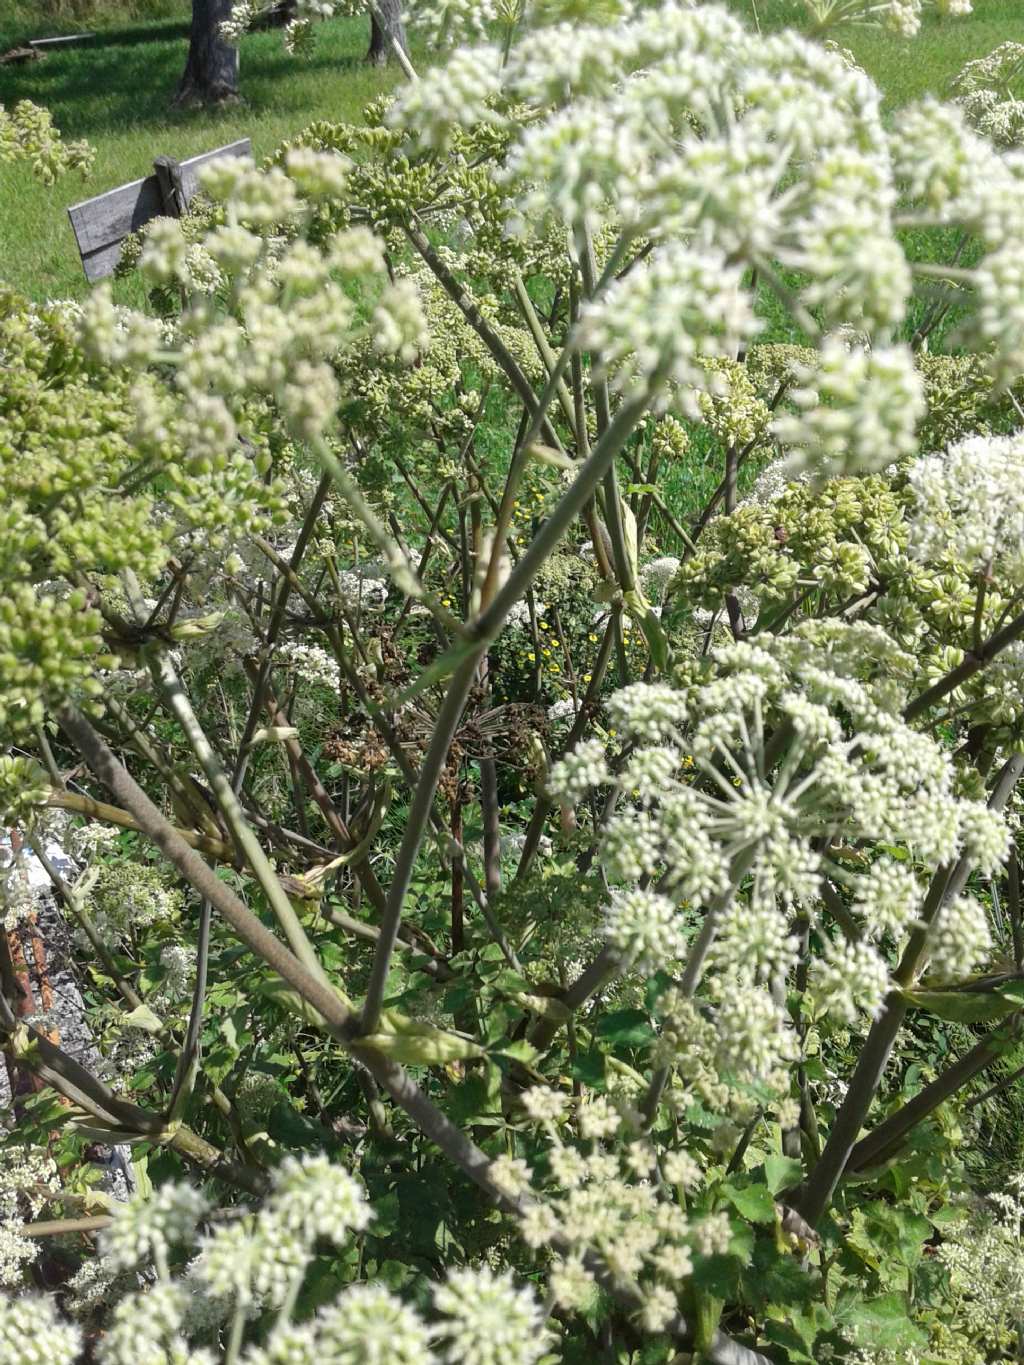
[(66, 41), (102, 223)]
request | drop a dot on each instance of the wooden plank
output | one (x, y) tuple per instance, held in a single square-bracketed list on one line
[(61, 42), (172, 191), (101, 224), (102, 262), (190, 168)]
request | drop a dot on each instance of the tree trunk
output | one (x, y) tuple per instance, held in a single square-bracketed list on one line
[(211, 71), (383, 29)]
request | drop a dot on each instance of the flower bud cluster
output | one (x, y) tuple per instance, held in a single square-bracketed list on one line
[(27, 134), (31, 1333), (24, 789), (984, 89), (149, 1226)]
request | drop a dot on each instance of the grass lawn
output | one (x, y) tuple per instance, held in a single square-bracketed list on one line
[(908, 69), (115, 91)]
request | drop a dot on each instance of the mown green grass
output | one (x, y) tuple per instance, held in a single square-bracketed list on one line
[(116, 92), (907, 69), (24, 19)]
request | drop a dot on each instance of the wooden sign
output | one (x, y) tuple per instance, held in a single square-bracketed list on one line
[(101, 224)]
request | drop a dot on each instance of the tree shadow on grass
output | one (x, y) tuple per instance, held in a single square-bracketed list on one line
[(107, 87)]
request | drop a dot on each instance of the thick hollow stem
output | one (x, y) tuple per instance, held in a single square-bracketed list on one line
[(946, 884), (887, 1136)]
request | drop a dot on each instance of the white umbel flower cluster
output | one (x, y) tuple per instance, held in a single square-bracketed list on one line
[(985, 90), (983, 1255), (367, 1325), (731, 154), (16, 1253), (645, 930), (658, 323), (856, 410), (266, 319), (314, 1198), (147, 1227), (852, 979), (32, 1334), (969, 505), (579, 771), (255, 1263), (489, 1320), (719, 820), (959, 940), (450, 23)]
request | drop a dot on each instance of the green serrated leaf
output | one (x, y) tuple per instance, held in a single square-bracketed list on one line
[(588, 1067), (631, 1028), (517, 1050), (753, 1202), (782, 1173), (142, 1017), (883, 1324)]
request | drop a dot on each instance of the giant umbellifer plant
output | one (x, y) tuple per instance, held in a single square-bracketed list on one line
[(496, 794)]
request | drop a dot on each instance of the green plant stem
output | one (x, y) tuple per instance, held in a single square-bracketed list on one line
[(1003, 1083), (606, 965), (565, 512), (974, 663), (187, 800), (602, 404), (888, 1135), (113, 815), (400, 567), (491, 817), (544, 350), (416, 823), (335, 1016), (74, 902), (470, 310), (188, 1058), (332, 816), (249, 846), (30, 1048), (64, 1227), (282, 590), (946, 884), (543, 806), (482, 631)]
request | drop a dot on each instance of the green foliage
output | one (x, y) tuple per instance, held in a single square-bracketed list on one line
[(255, 532)]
